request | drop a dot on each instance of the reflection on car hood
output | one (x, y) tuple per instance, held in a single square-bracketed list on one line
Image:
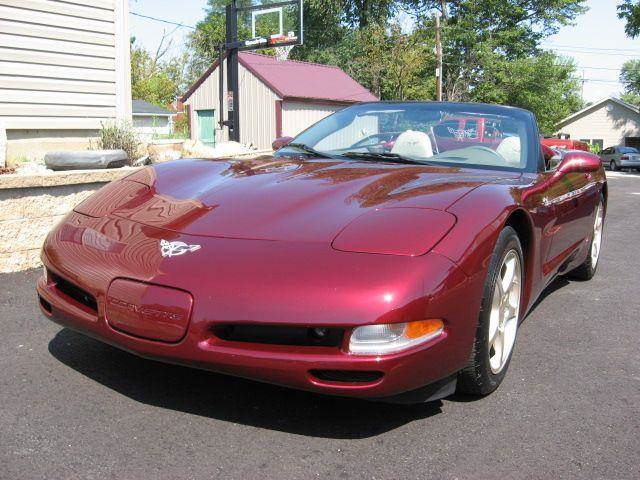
[(289, 199)]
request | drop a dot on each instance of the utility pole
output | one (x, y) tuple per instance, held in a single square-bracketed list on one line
[(233, 97), (438, 59)]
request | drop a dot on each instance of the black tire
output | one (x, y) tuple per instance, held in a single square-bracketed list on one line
[(477, 378), (587, 270), (613, 166)]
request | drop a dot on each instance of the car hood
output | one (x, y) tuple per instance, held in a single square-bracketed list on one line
[(274, 198)]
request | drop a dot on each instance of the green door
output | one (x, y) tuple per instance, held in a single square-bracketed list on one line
[(206, 127)]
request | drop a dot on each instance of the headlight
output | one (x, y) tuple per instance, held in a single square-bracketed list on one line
[(114, 195), (395, 231), (390, 338)]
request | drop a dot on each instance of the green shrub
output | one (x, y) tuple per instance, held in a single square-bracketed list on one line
[(118, 136), (181, 126)]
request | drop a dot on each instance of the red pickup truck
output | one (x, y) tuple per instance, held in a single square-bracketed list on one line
[(565, 144)]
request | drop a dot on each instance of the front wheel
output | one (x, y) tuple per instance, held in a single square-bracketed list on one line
[(613, 166), (587, 270), (498, 320)]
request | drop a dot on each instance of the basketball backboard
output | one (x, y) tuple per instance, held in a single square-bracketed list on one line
[(269, 24)]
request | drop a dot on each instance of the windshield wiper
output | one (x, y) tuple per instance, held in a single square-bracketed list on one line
[(309, 150), (386, 157)]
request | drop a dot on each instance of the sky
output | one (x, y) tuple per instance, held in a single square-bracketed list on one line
[(597, 42)]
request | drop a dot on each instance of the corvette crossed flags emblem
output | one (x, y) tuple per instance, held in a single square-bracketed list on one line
[(175, 249)]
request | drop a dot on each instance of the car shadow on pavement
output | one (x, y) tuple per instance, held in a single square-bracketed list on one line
[(231, 399), (557, 284)]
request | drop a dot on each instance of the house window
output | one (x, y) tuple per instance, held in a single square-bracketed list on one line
[(598, 144), (586, 140)]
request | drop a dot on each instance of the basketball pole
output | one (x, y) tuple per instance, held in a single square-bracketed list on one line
[(233, 96)]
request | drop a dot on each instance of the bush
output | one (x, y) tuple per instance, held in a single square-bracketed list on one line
[(181, 126), (118, 136)]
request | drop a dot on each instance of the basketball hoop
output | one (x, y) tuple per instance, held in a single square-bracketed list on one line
[(282, 53)]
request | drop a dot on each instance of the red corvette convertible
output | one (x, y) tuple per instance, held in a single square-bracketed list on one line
[(373, 256)]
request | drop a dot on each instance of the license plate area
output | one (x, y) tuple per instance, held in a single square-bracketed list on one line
[(148, 311)]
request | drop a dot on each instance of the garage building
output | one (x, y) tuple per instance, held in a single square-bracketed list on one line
[(277, 98), (605, 123)]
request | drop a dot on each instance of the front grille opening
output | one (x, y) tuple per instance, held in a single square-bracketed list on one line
[(74, 292), (281, 335), (45, 305), (347, 376)]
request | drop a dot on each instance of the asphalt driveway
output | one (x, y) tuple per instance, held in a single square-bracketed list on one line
[(71, 407)]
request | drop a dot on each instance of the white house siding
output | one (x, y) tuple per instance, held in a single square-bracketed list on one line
[(610, 122), (298, 116), (257, 108), (64, 66), (150, 126)]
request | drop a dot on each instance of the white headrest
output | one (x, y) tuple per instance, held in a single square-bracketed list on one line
[(413, 144), (510, 149)]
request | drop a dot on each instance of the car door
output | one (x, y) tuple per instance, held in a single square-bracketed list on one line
[(605, 155), (615, 156), (572, 196)]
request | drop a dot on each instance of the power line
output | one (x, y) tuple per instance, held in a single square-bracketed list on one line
[(596, 80), (601, 68), (161, 20), (585, 52), (615, 49)]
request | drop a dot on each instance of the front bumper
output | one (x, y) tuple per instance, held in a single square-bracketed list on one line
[(446, 293)]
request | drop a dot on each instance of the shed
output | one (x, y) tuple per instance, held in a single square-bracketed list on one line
[(605, 123), (277, 98), (65, 71), (150, 120)]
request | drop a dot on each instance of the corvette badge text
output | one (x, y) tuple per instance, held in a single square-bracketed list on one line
[(175, 249), (145, 312)]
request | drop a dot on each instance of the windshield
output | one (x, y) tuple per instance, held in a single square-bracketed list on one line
[(628, 150), (430, 133)]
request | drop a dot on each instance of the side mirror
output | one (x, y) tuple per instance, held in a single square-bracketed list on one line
[(280, 142), (581, 162)]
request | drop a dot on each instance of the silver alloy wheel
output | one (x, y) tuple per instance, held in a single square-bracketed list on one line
[(596, 242), (505, 311)]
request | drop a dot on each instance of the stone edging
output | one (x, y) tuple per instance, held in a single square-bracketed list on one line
[(71, 177)]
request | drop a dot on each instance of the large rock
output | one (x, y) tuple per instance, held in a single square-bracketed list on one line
[(86, 160), (165, 150)]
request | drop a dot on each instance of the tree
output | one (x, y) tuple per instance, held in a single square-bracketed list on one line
[(629, 10), (511, 28), (542, 83), (491, 49), (630, 78), (153, 78), (327, 23)]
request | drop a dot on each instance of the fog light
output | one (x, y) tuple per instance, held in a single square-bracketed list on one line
[(319, 333), (394, 337)]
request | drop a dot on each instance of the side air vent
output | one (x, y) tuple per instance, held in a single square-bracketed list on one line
[(347, 376), (74, 292)]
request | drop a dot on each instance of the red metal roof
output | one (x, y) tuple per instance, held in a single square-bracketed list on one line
[(304, 80)]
